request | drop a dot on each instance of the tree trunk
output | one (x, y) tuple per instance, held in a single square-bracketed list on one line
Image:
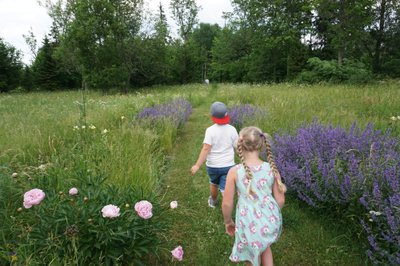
[(288, 67), (340, 56), (379, 38), (342, 23)]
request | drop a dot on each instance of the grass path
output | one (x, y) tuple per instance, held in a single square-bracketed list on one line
[(307, 238)]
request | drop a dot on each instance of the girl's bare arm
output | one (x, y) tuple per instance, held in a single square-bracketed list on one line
[(278, 194), (227, 201)]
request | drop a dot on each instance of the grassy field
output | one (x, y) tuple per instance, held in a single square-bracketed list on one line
[(46, 129)]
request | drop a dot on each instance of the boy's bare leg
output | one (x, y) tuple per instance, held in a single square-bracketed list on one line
[(214, 191)]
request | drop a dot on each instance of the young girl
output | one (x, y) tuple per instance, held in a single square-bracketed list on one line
[(261, 195)]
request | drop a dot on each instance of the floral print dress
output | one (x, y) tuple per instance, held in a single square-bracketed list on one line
[(258, 218)]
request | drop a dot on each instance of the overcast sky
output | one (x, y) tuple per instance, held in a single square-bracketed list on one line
[(17, 17)]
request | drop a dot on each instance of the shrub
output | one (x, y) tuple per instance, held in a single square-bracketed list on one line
[(329, 71), (353, 173), (71, 230)]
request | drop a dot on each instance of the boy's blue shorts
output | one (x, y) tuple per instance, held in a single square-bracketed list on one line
[(218, 176)]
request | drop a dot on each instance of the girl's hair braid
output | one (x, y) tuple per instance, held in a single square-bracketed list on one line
[(271, 161), (249, 174)]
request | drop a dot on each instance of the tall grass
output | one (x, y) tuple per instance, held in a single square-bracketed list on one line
[(288, 106), (41, 134), (42, 128)]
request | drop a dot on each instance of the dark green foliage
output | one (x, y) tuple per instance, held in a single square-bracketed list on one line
[(330, 71), (48, 71), (27, 80), (45, 68), (10, 67), (185, 14), (230, 53)]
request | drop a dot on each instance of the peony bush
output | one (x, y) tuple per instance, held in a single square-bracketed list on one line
[(95, 227)]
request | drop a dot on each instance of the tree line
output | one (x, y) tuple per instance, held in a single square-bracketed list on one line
[(118, 45)]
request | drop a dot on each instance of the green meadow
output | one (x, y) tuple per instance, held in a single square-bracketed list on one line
[(75, 133)]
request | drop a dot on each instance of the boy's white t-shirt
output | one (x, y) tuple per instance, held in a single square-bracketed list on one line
[(222, 139)]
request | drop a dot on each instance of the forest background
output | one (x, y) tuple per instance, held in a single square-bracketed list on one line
[(117, 46)]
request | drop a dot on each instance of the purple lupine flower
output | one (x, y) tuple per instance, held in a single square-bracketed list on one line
[(242, 114), (329, 167), (177, 111)]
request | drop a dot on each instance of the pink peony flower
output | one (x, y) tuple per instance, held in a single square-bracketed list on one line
[(143, 209), (110, 211), (73, 191), (177, 253), (173, 204), (33, 197)]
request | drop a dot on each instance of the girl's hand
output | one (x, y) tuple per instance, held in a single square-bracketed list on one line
[(230, 228)]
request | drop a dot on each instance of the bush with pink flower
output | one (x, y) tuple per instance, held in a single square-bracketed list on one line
[(98, 220)]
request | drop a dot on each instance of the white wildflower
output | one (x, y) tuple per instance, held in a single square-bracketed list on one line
[(393, 118), (83, 127), (14, 175), (123, 117), (92, 127), (76, 128), (375, 213), (105, 131), (398, 117)]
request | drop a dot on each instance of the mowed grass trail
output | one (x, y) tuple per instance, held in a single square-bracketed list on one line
[(307, 238)]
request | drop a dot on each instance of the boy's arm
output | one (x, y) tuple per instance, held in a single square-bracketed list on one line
[(202, 157)]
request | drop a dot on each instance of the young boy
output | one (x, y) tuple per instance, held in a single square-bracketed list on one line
[(218, 150)]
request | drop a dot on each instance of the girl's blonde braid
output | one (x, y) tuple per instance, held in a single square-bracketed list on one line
[(271, 161), (249, 174)]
